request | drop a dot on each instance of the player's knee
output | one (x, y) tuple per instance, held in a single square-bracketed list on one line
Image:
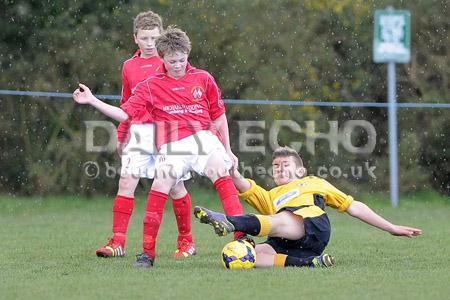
[(216, 168), (214, 173), (223, 171), (158, 184), (127, 185), (178, 191), (163, 184)]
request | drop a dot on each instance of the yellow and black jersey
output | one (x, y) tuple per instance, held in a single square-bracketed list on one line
[(305, 197)]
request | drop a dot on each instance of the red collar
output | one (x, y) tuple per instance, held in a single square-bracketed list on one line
[(137, 53)]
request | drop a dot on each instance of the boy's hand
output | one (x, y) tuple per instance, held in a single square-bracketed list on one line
[(83, 95), (399, 230), (234, 173)]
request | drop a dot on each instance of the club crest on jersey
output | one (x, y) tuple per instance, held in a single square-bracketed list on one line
[(197, 93)]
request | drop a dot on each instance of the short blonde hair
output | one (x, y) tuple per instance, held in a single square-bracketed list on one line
[(147, 20), (286, 152), (173, 40)]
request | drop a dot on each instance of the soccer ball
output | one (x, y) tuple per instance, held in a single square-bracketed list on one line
[(238, 255)]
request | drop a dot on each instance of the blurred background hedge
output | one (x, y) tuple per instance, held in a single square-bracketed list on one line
[(290, 50)]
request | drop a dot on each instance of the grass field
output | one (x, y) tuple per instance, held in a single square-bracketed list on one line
[(48, 252)]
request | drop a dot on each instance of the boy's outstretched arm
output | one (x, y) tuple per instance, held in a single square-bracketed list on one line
[(83, 95), (242, 184), (364, 213)]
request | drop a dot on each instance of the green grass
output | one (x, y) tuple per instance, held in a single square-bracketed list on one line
[(48, 252)]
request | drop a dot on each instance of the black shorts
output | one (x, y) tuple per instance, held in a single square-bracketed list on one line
[(317, 235)]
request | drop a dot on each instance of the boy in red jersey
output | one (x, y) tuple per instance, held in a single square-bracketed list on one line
[(293, 215), (136, 146), (189, 114)]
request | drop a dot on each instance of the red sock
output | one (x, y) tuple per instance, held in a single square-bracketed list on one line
[(230, 200), (122, 210), (153, 216), (182, 211)]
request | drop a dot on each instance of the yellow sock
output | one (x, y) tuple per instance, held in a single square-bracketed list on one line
[(265, 225), (279, 260)]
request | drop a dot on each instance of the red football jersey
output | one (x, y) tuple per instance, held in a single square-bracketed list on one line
[(135, 70), (180, 107)]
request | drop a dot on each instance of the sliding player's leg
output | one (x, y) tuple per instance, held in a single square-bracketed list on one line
[(284, 224), (280, 252), (266, 260)]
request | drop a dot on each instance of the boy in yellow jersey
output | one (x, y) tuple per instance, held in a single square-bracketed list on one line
[(292, 215)]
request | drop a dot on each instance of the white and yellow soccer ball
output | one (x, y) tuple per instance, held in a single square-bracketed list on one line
[(238, 255)]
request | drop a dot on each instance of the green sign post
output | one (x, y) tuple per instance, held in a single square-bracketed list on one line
[(391, 44), (392, 36)]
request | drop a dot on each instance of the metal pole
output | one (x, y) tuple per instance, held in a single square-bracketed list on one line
[(392, 117)]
